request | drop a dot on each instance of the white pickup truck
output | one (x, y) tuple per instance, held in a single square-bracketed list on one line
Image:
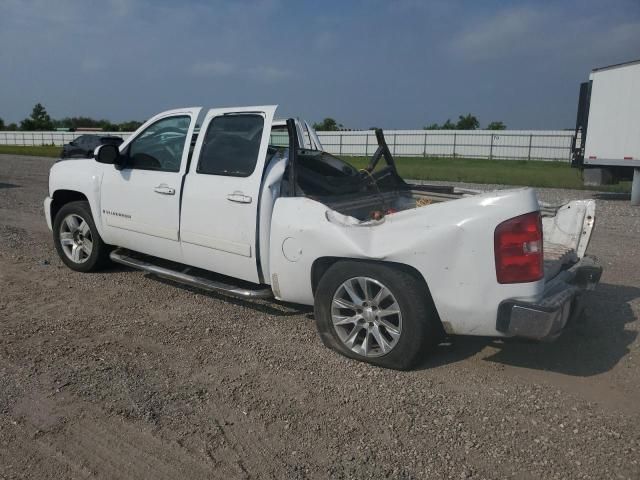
[(389, 267)]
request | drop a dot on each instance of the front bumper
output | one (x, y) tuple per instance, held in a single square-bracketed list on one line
[(545, 319), (47, 211)]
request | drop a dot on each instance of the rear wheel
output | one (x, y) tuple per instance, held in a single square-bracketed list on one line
[(77, 240), (376, 313)]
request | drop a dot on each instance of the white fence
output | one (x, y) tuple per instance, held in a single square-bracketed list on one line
[(505, 144), (48, 138)]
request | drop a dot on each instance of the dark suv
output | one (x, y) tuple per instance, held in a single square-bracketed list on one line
[(84, 145)]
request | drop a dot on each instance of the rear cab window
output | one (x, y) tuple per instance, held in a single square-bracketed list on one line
[(279, 137)]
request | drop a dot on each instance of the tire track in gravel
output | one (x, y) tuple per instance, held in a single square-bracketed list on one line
[(94, 444), (238, 454), (85, 441)]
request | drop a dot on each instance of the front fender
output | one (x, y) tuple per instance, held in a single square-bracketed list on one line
[(83, 177)]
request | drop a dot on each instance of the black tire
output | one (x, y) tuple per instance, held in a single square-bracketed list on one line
[(99, 256), (421, 329)]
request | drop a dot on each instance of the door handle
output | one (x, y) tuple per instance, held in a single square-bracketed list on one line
[(164, 190), (239, 197)]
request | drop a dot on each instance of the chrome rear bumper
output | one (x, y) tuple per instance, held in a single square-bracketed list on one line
[(545, 320)]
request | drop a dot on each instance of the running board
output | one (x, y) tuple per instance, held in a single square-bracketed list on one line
[(121, 256)]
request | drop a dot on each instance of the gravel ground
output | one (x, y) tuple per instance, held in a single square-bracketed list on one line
[(118, 375)]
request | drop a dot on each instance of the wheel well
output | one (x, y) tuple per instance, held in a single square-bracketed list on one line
[(322, 264), (319, 268), (62, 197)]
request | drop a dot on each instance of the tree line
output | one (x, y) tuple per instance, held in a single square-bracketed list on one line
[(40, 120), (465, 122)]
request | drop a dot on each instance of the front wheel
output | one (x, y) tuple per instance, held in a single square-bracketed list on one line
[(77, 240), (376, 313)]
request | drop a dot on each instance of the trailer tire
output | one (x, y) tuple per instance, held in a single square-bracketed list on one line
[(370, 331)]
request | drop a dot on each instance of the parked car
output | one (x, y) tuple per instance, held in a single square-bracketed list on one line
[(389, 267), (84, 145)]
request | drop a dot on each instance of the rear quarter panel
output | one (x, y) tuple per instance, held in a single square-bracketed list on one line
[(450, 244)]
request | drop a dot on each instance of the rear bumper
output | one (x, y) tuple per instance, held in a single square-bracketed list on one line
[(545, 319)]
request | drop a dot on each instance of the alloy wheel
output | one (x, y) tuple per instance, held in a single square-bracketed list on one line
[(366, 316), (76, 238)]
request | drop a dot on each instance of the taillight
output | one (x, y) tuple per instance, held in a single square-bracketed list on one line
[(518, 249)]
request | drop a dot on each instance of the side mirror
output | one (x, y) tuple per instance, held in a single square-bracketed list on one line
[(108, 154)]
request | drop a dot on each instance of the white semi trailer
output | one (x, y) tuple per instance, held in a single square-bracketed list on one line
[(607, 140)]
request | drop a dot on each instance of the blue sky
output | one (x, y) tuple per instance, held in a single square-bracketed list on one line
[(395, 64)]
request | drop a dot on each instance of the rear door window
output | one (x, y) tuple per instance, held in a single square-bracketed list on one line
[(93, 142), (231, 145)]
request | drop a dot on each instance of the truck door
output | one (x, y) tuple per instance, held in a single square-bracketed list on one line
[(218, 225), (140, 203)]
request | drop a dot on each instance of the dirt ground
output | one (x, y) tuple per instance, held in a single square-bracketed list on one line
[(119, 375)]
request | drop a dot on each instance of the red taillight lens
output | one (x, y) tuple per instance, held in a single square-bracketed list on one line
[(518, 249)]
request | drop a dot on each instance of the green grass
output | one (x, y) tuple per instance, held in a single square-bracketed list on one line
[(504, 172), (37, 151)]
